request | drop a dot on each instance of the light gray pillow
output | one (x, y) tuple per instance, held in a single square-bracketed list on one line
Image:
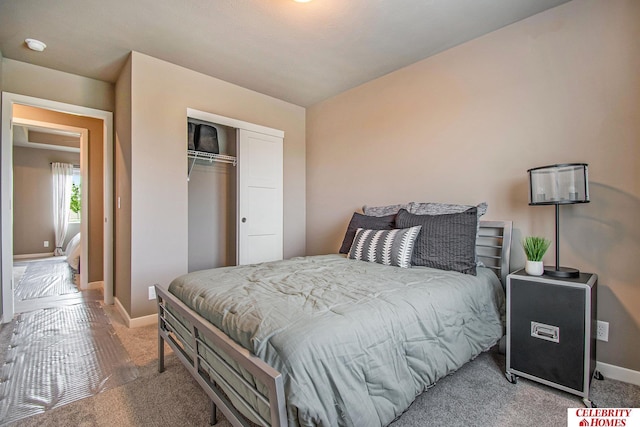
[(383, 210), (443, 208), (387, 247)]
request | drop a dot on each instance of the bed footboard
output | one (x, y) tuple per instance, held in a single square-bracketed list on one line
[(191, 349)]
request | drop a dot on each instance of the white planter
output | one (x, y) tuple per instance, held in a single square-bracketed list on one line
[(534, 268)]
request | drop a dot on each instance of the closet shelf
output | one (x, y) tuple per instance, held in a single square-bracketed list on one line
[(209, 157)]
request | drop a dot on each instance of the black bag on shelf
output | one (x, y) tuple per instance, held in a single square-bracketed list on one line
[(191, 130), (206, 139)]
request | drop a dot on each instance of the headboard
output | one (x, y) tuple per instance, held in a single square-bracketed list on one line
[(493, 246)]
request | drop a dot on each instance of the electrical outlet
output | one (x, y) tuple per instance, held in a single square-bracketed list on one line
[(46, 243), (152, 292), (602, 331)]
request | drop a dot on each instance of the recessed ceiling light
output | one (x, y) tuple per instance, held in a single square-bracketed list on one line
[(36, 45), (302, 1)]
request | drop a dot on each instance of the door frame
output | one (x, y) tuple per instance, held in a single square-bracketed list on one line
[(6, 190)]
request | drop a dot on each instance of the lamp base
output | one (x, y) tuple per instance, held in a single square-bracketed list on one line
[(563, 272)]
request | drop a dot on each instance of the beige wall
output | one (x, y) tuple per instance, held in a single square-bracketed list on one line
[(95, 189), (160, 95), (465, 125), (32, 80), (33, 199)]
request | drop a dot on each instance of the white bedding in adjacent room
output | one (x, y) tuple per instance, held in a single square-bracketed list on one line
[(73, 252)]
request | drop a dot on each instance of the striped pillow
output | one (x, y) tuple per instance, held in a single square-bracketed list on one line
[(447, 241), (388, 247)]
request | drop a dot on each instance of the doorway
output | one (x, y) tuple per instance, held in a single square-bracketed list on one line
[(46, 256), (12, 104)]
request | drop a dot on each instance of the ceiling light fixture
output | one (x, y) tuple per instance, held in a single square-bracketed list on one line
[(302, 1), (36, 45)]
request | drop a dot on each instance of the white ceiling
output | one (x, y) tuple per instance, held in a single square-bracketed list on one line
[(299, 52)]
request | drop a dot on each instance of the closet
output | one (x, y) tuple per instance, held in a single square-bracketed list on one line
[(235, 196)]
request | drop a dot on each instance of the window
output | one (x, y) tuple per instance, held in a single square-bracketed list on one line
[(74, 215)]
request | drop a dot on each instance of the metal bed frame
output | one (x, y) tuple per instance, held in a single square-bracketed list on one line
[(493, 247)]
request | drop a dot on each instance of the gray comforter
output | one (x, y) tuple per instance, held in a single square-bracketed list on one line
[(356, 342)]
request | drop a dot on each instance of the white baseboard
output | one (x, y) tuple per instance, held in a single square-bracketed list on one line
[(618, 373), (136, 322), (42, 255), (122, 311)]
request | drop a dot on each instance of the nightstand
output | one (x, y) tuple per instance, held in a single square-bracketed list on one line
[(551, 330)]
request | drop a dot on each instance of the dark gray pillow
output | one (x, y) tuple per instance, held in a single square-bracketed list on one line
[(446, 242), (367, 222), (431, 208)]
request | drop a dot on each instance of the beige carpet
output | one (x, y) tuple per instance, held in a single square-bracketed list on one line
[(476, 395)]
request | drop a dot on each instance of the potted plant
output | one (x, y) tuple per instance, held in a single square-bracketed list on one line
[(535, 248)]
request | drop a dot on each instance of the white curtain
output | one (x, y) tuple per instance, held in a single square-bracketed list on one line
[(62, 179)]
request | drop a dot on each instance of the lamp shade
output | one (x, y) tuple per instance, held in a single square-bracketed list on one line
[(559, 184)]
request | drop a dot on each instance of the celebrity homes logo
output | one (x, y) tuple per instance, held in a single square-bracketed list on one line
[(603, 417)]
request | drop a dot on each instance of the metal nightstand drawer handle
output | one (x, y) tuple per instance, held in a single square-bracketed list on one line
[(545, 332)]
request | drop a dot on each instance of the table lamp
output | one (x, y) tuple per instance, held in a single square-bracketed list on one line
[(557, 185)]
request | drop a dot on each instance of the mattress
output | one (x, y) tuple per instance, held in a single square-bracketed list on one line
[(356, 342)]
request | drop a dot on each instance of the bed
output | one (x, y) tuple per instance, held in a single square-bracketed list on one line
[(328, 340), (72, 252)]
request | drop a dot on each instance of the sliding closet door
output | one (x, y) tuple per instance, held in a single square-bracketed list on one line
[(259, 189)]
